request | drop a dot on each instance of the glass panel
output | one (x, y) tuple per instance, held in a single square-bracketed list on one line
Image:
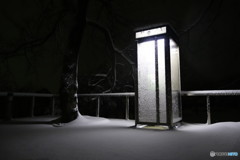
[(146, 82), (175, 76), (162, 81)]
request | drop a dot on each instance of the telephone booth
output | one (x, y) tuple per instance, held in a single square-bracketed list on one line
[(158, 89)]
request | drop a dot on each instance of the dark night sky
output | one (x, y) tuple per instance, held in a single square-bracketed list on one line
[(208, 33)]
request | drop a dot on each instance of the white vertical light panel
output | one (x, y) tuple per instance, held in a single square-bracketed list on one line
[(162, 81), (175, 80), (146, 82), (175, 73)]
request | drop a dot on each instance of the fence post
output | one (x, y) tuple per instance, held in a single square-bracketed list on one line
[(53, 106), (33, 106), (9, 106), (127, 108), (98, 106), (208, 110)]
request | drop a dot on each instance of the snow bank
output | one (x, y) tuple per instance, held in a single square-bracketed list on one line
[(92, 138)]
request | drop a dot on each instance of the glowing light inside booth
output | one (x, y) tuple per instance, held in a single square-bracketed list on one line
[(146, 81), (162, 80)]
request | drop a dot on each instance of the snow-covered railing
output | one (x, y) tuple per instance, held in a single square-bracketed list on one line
[(207, 93), (211, 93), (10, 96), (99, 95)]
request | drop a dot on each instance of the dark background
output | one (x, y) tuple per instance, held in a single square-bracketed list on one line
[(32, 38)]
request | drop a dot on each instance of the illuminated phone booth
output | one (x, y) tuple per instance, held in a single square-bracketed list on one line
[(158, 89)]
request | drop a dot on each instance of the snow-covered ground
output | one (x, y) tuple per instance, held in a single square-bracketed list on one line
[(92, 138)]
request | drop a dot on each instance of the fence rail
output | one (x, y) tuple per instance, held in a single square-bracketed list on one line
[(10, 96), (205, 93), (208, 94), (129, 94), (99, 95), (211, 93)]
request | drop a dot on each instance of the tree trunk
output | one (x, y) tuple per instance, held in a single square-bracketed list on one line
[(69, 87), (74, 25)]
